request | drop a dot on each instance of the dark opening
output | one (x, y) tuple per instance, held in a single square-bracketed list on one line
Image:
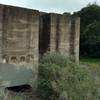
[(21, 88), (44, 34), (22, 58), (13, 59)]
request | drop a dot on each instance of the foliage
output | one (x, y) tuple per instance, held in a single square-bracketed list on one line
[(89, 15), (61, 78), (95, 61), (10, 95), (91, 40), (94, 66)]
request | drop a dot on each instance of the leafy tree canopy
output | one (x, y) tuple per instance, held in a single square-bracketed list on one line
[(88, 15), (90, 30), (90, 42)]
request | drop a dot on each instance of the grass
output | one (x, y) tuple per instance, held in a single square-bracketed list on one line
[(94, 65), (90, 60)]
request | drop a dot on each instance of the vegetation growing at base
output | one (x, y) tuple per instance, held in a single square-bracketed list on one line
[(60, 78)]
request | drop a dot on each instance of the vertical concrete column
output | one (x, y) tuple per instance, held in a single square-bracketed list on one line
[(64, 42), (74, 38), (1, 31), (5, 29), (34, 37), (53, 32), (77, 37)]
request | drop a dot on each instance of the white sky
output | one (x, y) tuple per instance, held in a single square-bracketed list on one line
[(59, 6)]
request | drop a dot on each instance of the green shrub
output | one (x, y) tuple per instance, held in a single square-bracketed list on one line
[(60, 78)]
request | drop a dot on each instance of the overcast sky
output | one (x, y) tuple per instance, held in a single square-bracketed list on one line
[(58, 6)]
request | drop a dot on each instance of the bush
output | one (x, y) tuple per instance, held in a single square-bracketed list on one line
[(60, 78)]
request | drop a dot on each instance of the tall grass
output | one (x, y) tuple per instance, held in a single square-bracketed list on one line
[(60, 78)]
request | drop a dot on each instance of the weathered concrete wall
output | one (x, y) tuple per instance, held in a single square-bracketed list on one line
[(74, 37), (60, 33), (27, 34), (19, 34), (1, 29)]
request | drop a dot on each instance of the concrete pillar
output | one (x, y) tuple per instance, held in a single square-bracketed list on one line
[(34, 36), (64, 33), (60, 33), (1, 31), (77, 37), (53, 32), (74, 37)]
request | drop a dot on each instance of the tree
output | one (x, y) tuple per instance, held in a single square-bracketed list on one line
[(91, 40), (90, 19), (88, 15)]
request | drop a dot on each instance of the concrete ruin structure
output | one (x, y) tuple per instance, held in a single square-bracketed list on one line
[(26, 34)]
